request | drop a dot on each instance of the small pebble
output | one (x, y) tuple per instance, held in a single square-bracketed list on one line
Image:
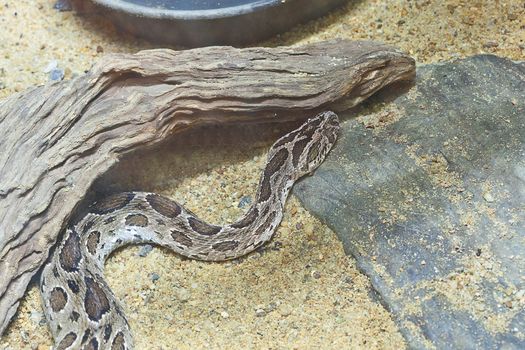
[(62, 5), (224, 314), (56, 74), (260, 313), (315, 274), (146, 297), (244, 201), (24, 336), (145, 250), (490, 44), (271, 307), (154, 277)]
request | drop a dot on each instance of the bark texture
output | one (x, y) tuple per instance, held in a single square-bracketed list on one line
[(58, 138)]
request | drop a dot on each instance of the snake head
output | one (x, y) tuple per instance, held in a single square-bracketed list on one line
[(313, 142)]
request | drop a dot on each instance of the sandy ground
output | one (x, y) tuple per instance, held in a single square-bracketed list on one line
[(300, 291)]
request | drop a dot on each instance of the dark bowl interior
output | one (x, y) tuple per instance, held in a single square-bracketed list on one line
[(193, 23)]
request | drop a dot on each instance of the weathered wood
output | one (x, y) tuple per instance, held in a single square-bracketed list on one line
[(58, 138)]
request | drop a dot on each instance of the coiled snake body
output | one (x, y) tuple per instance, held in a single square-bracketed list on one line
[(82, 311)]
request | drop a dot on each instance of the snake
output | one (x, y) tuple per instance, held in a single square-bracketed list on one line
[(81, 310)]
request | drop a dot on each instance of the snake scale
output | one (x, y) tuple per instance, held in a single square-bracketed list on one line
[(81, 309)]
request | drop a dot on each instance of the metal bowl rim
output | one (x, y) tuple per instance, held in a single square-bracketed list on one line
[(145, 11)]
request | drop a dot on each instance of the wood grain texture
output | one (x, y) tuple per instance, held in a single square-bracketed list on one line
[(58, 138)]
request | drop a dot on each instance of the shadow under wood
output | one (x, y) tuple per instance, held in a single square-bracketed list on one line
[(190, 153)]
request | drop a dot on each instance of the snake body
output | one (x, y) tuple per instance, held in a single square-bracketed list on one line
[(81, 309)]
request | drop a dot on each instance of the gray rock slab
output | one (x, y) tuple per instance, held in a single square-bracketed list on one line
[(427, 192)]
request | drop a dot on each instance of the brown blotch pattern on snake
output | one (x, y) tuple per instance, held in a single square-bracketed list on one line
[(58, 299), (137, 220), (312, 153), (119, 343), (73, 286), (67, 341), (92, 242), (202, 227), (297, 150), (276, 162), (70, 255), (112, 203), (181, 238), (266, 189), (273, 165), (96, 302), (74, 316), (163, 205), (225, 246), (92, 345), (85, 337), (107, 332)]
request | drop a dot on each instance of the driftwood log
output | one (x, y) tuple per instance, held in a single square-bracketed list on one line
[(58, 138)]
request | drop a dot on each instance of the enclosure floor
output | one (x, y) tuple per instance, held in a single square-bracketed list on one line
[(300, 291)]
